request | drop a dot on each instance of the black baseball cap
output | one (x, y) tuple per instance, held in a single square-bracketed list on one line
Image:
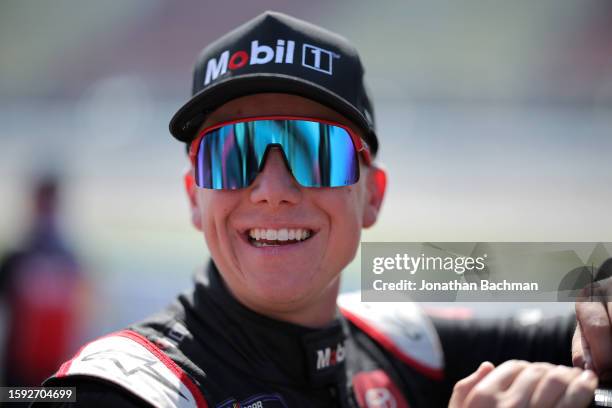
[(275, 52)]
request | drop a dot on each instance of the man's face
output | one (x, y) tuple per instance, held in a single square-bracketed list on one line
[(283, 278)]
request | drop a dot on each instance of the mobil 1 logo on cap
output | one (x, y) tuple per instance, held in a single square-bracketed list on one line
[(282, 52), (318, 58)]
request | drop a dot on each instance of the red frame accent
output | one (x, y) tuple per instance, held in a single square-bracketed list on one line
[(360, 146), (384, 341), (167, 361)]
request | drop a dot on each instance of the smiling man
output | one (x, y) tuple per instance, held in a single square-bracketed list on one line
[(281, 246), (281, 143)]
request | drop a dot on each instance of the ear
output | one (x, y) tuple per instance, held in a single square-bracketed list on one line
[(191, 189), (376, 185)]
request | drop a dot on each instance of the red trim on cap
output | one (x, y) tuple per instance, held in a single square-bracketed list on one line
[(387, 343), (168, 362)]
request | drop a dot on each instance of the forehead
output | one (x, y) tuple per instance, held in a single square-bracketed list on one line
[(267, 104)]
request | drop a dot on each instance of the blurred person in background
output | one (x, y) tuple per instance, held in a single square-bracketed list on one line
[(282, 180), (42, 289)]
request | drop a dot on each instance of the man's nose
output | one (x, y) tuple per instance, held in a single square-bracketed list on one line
[(275, 184)]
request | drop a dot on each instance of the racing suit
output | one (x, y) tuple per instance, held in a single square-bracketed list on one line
[(207, 350)]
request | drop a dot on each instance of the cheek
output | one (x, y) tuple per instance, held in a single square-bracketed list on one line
[(345, 213), (345, 233), (350, 205), (215, 209)]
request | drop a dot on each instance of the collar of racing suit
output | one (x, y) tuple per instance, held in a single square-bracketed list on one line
[(273, 350)]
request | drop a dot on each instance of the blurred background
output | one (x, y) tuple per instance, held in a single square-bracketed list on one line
[(495, 120)]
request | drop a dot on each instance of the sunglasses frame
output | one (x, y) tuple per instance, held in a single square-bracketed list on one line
[(360, 146)]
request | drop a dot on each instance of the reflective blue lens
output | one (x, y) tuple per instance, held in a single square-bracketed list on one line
[(318, 154)]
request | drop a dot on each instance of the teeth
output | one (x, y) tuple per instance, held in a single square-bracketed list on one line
[(271, 235), (283, 234)]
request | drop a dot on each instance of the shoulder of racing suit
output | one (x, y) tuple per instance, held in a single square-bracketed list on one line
[(399, 327), (139, 366), (135, 364)]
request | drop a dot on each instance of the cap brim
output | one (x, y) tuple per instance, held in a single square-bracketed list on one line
[(190, 116)]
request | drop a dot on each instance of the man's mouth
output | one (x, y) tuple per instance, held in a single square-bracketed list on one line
[(263, 237)]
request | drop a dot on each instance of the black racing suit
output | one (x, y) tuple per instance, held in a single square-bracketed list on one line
[(222, 354)]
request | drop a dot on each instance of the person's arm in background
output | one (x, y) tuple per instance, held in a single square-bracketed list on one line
[(7, 266)]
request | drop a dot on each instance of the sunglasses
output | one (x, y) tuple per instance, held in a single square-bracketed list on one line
[(319, 153)]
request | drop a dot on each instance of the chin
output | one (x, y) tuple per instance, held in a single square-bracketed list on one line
[(276, 286), (280, 288), (280, 299)]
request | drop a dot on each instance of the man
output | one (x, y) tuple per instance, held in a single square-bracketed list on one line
[(281, 140), (42, 286)]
